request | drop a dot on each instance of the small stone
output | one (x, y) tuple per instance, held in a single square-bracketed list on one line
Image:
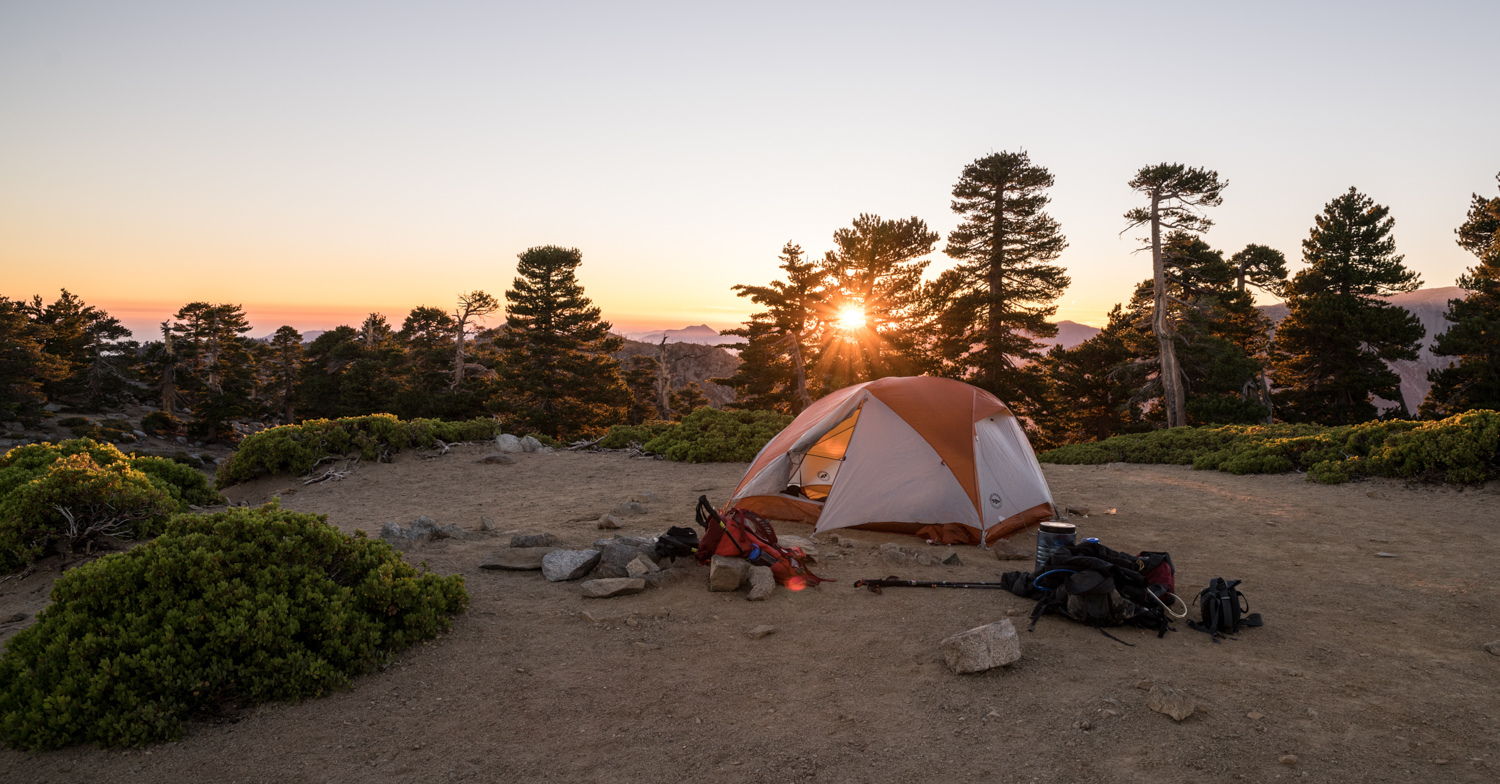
[(609, 522), (15, 617), (497, 458), (643, 497), (612, 586), (533, 540), (630, 508), (1144, 685), (1007, 550), (609, 614), (517, 559), (762, 583), (1071, 509), (641, 566), (982, 648), (757, 632), (1255, 715), (923, 559), (1169, 701), (1287, 759), (1493, 647), (894, 554), (486, 524), (952, 559), (560, 565), (1385, 555), (727, 574)]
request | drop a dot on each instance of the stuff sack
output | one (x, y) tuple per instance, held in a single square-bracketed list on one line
[(1223, 610), (677, 542), (741, 533)]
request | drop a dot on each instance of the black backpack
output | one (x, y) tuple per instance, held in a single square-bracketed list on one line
[(1223, 609), (1100, 587)]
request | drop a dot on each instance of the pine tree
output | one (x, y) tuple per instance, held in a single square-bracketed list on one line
[(426, 338), (1331, 349), (558, 376), (1473, 380), (280, 362), (876, 270), (1261, 267), (220, 381), (25, 366), (781, 340), (1177, 195), (472, 307), (93, 346), (1002, 292), (1090, 396), (320, 381)]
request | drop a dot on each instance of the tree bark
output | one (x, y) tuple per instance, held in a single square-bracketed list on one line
[(1169, 371)]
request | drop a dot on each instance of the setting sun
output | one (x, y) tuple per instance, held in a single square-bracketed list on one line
[(851, 318)]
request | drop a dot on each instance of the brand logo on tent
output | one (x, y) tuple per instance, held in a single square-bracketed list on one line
[(995, 499), (822, 474)]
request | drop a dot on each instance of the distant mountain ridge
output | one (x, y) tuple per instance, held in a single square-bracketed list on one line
[(702, 334)]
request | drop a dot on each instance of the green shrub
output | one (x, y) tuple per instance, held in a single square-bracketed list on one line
[(712, 436), (622, 436), (160, 422), (295, 449), (239, 607), (74, 421), (1462, 449), (65, 495)]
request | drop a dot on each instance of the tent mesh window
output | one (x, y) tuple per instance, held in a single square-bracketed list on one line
[(815, 469)]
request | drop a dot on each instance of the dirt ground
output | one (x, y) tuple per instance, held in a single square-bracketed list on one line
[(1369, 668)]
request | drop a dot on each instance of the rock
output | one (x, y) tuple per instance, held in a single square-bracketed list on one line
[(1386, 555), (643, 497), (613, 586), (53, 407), (1009, 550), (424, 529), (757, 632), (923, 559), (1165, 699), (607, 615), (952, 559), (453, 532), (726, 574), (609, 522), (633, 541), (517, 559), (1255, 715), (665, 577), (15, 618), (1072, 509), (640, 566), (1287, 759), (615, 557), (1493, 647), (895, 555), (508, 443), (983, 648), (486, 524), (560, 565), (138, 433), (533, 540), (630, 508), (497, 458), (762, 583), (530, 444)]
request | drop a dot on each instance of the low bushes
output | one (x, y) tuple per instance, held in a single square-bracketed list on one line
[(709, 435), (1462, 449), (295, 449), (65, 496), (221, 610)]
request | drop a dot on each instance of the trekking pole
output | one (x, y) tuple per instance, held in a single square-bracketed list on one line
[(896, 582)]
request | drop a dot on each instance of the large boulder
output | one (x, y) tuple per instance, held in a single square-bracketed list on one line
[(727, 574), (616, 554)]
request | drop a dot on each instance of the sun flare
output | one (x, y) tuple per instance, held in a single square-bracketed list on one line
[(851, 318)]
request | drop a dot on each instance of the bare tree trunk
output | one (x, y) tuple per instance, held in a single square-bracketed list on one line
[(663, 385), (1161, 324), (458, 351), (996, 284), (803, 399), (169, 374)]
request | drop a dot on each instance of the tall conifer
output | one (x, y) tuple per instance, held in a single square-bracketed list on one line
[(1472, 380), (1331, 350), (558, 377)]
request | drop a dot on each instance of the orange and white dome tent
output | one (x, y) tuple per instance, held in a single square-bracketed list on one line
[(928, 456)]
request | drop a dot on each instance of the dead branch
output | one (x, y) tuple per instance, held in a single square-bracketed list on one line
[(335, 473)]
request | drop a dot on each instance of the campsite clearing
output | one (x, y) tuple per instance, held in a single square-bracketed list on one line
[(1370, 668)]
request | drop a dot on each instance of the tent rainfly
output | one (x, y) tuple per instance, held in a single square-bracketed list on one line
[(928, 456)]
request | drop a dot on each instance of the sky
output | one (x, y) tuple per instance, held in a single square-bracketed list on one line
[(317, 161)]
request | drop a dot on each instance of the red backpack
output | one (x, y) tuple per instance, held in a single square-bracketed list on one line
[(741, 533)]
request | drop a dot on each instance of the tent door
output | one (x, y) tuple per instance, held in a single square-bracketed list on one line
[(815, 469)]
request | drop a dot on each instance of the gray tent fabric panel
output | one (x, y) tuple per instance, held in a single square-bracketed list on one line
[(891, 474), (774, 478), (1010, 478)]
